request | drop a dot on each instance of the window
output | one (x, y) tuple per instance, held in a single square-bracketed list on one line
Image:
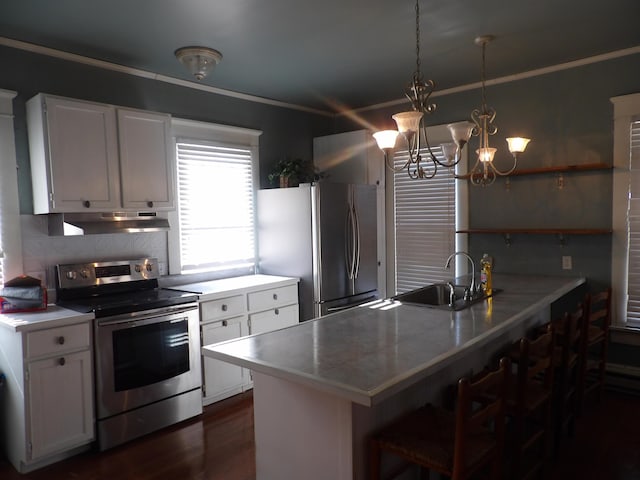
[(426, 219), (216, 178), (625, 257), (633, 303)]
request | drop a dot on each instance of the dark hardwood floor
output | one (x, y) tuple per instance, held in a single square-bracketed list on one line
[(219, 445)]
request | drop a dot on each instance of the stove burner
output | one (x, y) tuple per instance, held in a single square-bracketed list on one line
[(111, 305)]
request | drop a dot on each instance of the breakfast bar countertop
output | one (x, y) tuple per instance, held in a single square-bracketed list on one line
[(369, 353)]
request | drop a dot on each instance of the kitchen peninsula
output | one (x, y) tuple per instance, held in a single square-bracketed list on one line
[(321, 387)]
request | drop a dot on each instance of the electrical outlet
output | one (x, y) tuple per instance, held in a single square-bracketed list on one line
[(567, 263), (162, 268)]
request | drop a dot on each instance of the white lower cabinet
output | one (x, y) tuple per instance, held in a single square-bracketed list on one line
[(60, 403), (233, 308), (48, 407), (222, 379)]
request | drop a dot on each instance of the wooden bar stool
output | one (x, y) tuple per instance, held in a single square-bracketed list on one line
[(595, 344), (457, 444), (530, 405), (568, 334)]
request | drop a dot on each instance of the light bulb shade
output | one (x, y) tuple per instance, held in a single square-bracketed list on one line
[(198, 60), (408, 121), (449, 151), (486, 154), (517, 144), (386, 139), (461, 132)]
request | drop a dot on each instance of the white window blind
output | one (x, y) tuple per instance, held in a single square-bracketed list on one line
[(425, 220), (633, 220), (215, 206)]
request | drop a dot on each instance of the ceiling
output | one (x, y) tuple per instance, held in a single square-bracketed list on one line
[(330, 53)]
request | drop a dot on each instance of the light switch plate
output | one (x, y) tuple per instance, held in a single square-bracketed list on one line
[(567, 263)]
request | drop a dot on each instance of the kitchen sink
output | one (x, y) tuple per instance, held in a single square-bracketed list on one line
[(437, 295)]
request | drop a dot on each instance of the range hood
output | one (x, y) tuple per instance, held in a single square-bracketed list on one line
[(116, 222)]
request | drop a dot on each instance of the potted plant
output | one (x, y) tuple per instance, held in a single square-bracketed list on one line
[(290, 172)]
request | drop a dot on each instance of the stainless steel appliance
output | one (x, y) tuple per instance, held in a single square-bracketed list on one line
[(326, 235), (146, 346)]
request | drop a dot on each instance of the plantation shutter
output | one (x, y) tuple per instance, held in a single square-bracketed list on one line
[(215, 206), (633, 221), (425, 219)]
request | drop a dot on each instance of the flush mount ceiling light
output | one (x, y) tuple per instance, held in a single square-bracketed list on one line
[(484, 172), (411, 126), (200, 61)]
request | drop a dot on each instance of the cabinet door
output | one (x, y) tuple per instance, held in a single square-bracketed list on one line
[(222, 379), (273, 319), (146, 160), (82, 159), (60, 402)]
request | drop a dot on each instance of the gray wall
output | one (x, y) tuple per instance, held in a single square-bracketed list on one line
[(286, 132), (570, 118)]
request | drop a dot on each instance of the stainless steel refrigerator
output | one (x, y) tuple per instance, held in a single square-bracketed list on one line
[(326, 235)]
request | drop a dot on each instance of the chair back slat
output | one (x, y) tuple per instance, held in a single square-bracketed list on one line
[(481, 405)]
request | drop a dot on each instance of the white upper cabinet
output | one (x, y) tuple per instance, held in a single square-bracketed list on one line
[(146, 159), (74, 155), (89, 156)]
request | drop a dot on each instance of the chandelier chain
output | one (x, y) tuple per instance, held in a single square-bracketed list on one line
[(483, 77), (417, 74)]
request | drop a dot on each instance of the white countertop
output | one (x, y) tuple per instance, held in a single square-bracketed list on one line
[(368, 353), (53, 316), (213, 289)]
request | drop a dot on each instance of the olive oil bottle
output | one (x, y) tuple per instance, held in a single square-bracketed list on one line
[(486, 265)]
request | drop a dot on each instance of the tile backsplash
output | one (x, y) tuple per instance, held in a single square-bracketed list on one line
[(41, 252)]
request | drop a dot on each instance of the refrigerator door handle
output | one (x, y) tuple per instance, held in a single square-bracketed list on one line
[(349, 241), (356, 234)]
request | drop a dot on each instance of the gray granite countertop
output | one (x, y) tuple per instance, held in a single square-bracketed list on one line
[(369, 353)]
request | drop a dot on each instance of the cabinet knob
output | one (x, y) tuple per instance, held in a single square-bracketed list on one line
[(275, 296), (224, 308), (225, 323), (150, 204), (276, 311), (86, 204), (60, 340), (62, 361)]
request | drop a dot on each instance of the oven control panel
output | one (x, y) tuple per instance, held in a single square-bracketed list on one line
[(76, 275)]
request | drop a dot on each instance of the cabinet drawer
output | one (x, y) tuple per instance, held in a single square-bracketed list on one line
[(275, 319), (223, 307), (273, 297), (53, 341)]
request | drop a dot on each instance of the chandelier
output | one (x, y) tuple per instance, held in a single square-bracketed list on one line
[(484, 172), (411, 126)]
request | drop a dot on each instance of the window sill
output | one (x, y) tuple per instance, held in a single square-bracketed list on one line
[(625, 335)]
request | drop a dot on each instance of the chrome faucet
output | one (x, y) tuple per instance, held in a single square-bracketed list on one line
[(472, 286)]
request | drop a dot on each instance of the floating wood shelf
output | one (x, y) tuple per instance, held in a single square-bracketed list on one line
[(562, 233), (540, 231), (552, 169), (562, 169)]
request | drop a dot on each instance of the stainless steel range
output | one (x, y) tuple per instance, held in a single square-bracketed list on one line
[(146, 346)]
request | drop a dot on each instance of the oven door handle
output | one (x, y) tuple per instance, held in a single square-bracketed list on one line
[(148, 317)]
